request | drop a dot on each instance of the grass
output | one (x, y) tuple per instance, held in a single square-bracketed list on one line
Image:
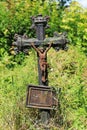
[(66, 73)]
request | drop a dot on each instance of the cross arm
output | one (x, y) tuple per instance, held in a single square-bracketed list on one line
[(24, 44), (58, 42)]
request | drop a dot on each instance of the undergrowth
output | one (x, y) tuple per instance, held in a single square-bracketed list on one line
[(67, 74)]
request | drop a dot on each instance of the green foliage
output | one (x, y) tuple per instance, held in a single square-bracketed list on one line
[(15, 18), (74, 21), (67, 72), (3, 28), (13, 86)]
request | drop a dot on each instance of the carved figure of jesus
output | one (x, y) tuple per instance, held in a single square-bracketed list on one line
[(42, 60)]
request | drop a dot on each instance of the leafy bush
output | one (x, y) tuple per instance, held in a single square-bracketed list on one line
[(74, 21), (15, 18)]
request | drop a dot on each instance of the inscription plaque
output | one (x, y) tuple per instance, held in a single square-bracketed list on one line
[(40, 97)]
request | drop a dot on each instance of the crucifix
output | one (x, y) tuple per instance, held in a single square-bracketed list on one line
[(23, 43), (40, 96)]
